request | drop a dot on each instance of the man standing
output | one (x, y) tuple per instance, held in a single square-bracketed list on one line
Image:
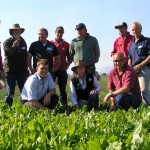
[(85, 48), (61, 73), (15, 62), (139, 58), (122, 43), (39, 89), (43, 49), (123, 85)]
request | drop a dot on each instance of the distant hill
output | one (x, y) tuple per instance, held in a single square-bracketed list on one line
[(105, 69)]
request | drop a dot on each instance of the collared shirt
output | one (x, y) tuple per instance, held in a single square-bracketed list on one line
[(38, 51), (86, 50), (63, 50), (139, 50), (122, 45), (35, 88), (83, 83), (127, 79)]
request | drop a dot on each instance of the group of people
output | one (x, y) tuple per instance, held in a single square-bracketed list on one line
[(128, 82)]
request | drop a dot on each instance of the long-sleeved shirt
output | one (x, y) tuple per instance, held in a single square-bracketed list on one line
[(122, 45), (86, 49), (83, 83)]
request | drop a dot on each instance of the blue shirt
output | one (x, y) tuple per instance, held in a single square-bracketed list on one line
[(35, 88), (139, 50)]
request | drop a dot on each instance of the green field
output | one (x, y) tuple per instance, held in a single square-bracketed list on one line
[(22, 128)]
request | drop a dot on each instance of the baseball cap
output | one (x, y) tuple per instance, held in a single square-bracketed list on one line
[(80, 26), (121, 24), (59, 28)]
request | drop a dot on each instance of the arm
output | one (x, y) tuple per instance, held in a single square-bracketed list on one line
[(73, 95), (29, 58), (48, 96), (58, 61), (96, 86), (142, 64)]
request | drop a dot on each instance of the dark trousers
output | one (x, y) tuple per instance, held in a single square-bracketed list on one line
[(11, 79), (52, 105), (92, 102), (62, 76), (125, 101)]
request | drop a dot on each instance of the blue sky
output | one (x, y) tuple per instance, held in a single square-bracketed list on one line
[(100, 17)]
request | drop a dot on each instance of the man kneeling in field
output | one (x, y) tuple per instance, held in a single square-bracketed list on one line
[(39, 89), (123, 85)]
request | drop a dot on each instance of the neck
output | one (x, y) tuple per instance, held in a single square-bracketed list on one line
[(58, 40)]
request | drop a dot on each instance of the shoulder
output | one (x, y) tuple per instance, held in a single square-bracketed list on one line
[(8, 40)]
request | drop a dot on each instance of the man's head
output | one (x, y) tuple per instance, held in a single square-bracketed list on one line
[(42, 67), (42, 34), (118, 60), (16, 30), (81, 29), (59, 32), (136, 29), (122, 27)]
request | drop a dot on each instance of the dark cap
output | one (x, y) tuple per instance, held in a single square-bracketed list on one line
[(121, 24), (60, 28), (80, 26)]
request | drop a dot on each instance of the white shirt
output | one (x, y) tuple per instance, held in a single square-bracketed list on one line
[(83, 83)]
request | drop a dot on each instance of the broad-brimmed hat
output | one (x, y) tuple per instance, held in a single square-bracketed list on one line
[(16, 27), (60, 28), (121, 24), (77, 64), (80, 26)]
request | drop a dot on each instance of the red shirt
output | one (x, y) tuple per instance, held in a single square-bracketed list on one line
[(63, 50), (122, 45), (127, 79)]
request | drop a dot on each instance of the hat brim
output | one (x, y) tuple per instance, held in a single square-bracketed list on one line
[(22, 30), (116, 27)]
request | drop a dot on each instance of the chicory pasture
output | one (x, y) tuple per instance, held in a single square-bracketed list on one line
[(23, 128)]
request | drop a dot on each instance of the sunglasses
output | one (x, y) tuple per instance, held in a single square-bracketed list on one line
[(119, 60)]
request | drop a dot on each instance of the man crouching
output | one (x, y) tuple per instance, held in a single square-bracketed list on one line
[(39, 89)]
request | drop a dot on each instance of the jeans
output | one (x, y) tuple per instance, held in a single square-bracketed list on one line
[(11, 79), (62, 76), (144, 80), (125, 101), (92, 101)]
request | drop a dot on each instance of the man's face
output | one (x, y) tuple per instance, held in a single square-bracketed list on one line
[(16, 33), (42, 70), (81, 32), (42, 36), (118, 61), (59, 34), (136, 31), (122, 30)]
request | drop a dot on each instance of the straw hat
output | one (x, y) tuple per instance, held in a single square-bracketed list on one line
[(77, 64), (16, 27)]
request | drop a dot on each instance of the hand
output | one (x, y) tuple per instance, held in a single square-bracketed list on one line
[(50, 110), (138, 67), (16, 43), (77, 106), (106, 99), (93, 92), (47, 99)]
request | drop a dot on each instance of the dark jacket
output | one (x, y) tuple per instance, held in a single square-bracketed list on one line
[(15, 60)]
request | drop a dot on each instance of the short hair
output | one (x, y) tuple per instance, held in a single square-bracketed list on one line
[(137, 24), (43, 62), (44, 29)]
